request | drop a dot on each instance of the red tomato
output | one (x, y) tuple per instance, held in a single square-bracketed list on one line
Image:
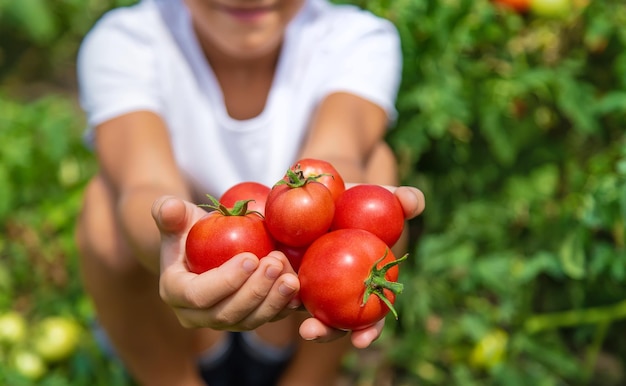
[(330, 176), (348, 279), (222, 234), (372, 208), (293, 254), (517, 5), (248, 190), (298, 211)]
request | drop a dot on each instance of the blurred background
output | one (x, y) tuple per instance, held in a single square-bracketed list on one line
[(512, 121)]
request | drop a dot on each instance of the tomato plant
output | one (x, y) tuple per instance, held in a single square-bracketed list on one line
[(256, 192), (299, 209), (372, 208), (339, 273), (223, 233), (325, 171)]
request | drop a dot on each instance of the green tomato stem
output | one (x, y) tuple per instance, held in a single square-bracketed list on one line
[(239, 209), (376, 282), (591, 356), (296, 178), (579, 317)]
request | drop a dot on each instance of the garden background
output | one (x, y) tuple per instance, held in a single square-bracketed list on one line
[(511, 123)]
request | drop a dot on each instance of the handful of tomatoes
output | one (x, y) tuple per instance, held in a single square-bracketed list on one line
[(337, 239)]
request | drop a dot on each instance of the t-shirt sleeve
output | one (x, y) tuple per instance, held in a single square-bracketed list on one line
[(116, 72), (368, 64)]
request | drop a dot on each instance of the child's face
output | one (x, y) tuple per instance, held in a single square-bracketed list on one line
[(243, 28)]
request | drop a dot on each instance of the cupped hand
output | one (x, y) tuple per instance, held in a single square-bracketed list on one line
[(245, 292), (241, 294)]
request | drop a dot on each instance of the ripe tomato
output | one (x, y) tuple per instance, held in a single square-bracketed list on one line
[(372, 208), (340, 271), (299, 210), (520, 6), (329, 175), (293, 254), (248, 190), (223, 233)]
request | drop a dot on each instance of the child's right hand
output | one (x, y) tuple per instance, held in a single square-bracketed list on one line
[(242, 294)]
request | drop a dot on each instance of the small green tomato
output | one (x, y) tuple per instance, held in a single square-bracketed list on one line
[(55, 338), (551, 8), (12, 328), (490, 350), (28, 364)]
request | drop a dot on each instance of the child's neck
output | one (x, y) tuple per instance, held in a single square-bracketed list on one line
[(245, 82)]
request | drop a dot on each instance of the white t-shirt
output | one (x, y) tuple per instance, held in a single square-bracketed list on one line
[(147, 57)]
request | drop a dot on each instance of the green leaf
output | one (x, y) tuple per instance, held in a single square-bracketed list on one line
[(545, 180), (613, 102), (541, 262), (572, 256), (6, 192), (35, 17), (576, 100)]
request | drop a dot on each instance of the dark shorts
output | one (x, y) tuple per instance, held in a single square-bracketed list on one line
[(245, 362), (242, 360)]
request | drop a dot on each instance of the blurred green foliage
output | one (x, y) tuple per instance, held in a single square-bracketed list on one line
[(513, 126), (43, 169), (40, 38)]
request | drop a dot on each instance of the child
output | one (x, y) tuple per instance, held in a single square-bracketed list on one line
[(188, 97)]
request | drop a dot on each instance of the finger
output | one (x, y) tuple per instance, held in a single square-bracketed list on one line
[(243, 310), (231, 311), (267, 293), (184, 289), (363, 338), (284, 260), (288, 286), (281, 301), (169, 214), (412, 200), (314, 330), (283, 298), (173, 215)]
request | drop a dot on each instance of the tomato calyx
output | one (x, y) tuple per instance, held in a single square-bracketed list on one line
[(240, 208), (294, 178), (376, 282)]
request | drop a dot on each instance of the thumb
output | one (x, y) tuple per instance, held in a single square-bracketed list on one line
[(174, 217), (170, 214), (412, 200)]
